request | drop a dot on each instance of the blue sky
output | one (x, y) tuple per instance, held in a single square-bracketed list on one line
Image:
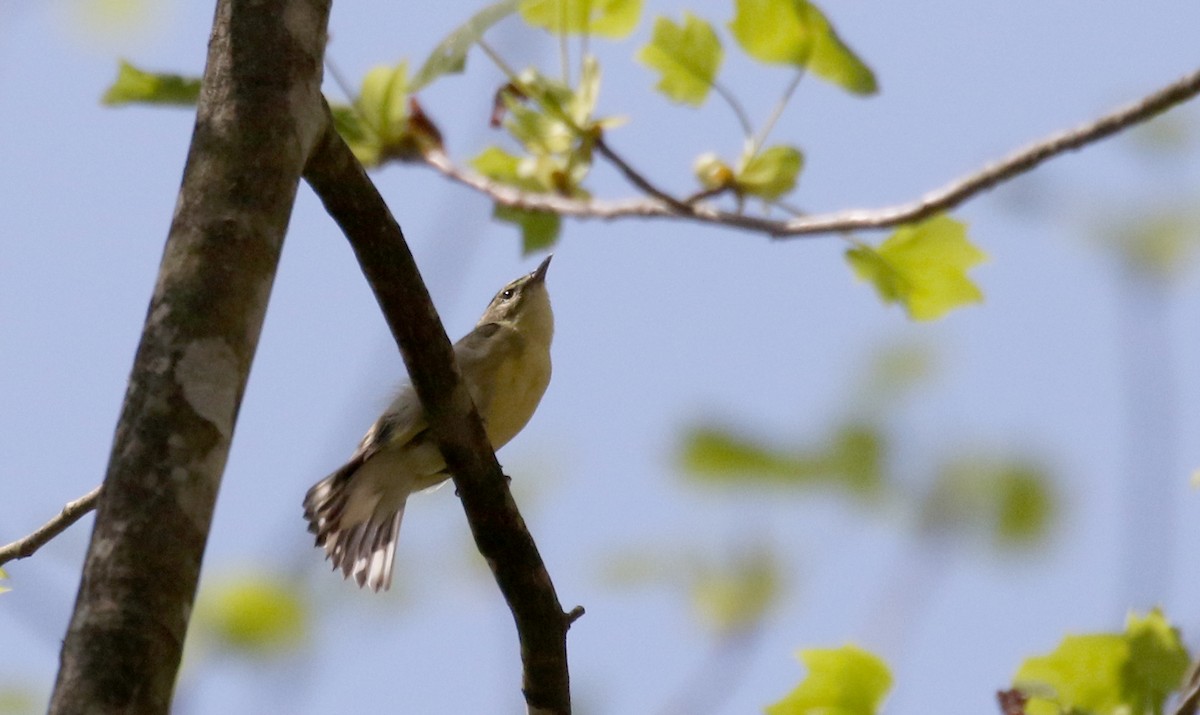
[(660, 325)]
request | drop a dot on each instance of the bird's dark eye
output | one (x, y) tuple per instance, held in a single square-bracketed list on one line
[(508, 293)]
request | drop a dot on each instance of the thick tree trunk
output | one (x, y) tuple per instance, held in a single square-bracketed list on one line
[(259, 114)]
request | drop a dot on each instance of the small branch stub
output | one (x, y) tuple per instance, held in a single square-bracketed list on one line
[(71, 513)]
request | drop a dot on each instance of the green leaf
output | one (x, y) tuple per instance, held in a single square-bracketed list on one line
[(1009, 500), (383, 101), (856, 456), (613, 19), (923, 266), (138, 86), (253, 615), (583, 100), (771, 173), (840, 681), (897, 369), (498, 165), (1130, 673), (1160, 243), (539, 229), (687, 58), (450, 56), (853, 460), (729, 592), (4, 577), (1158, 661), (1083, 672), (554, 125), (714, 454), (736, 596), (391, 119), (833, 60), (18, 698), (772, 31), (797, 33), (362, 141)]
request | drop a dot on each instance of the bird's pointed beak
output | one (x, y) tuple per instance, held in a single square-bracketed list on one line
[(539, 273)]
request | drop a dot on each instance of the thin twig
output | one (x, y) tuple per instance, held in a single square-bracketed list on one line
[(564, 51), (340, 80), (662, 205), (776, 112), (496, 59), (71, 513), (736, 106), (637, 179)]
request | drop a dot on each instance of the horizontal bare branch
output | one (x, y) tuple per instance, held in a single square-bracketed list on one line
[(71, 513), (661, 205)]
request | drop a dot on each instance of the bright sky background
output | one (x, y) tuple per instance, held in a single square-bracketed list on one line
[(660, 325)]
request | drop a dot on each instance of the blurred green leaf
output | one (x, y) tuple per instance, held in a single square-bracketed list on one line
[(770, 173), (797, 33), (541, 129), (734, 597), (1168, 135), (253, 615), (613, 19), (390, 123), (716, 454), (833, 60), (1160, 243), (644, 567), (772, 31), (555, 126), (1128, 673), (923, 266), (730, 593), (1009, 500), (383, 101), (450, 56), (362, 141), (20, 699), (498, 165), (856, 455), (1082, 674), (840, 681), (134, 85), (539, 229), (687, 58), (1158, 661), (3, 577), (852, 459), (582, 102), (898, 368)]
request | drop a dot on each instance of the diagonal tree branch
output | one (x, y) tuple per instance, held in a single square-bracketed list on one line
[(71, 513), (500, 533), (662, 205)]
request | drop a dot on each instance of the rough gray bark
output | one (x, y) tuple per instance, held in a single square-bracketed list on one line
[(260, 111)]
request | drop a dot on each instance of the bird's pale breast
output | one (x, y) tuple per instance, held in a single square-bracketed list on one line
[(519, 383)]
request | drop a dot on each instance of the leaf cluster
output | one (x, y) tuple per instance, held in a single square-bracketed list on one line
[(1128, 673), (551, 121)]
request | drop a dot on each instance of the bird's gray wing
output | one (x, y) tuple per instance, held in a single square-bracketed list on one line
[(481, 352), (402, 422)]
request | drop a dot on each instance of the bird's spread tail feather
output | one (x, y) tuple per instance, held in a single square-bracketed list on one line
[(364, 550)]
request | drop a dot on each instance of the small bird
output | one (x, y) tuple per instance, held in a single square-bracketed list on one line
[(505, 362)]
